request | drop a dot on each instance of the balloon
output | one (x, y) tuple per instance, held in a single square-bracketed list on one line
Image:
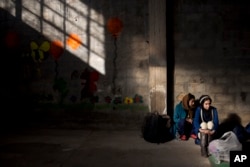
[(12, 39), (56, 49), (114, 26)]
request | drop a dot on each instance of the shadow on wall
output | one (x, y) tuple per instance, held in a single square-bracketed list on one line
[(40, 60), (38, 66)]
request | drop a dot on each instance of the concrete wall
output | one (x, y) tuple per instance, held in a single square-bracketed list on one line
[(107, 38), (157, 56), (207, 52), (212, 43)]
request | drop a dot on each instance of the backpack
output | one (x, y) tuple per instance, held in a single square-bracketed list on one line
[(155, 129)]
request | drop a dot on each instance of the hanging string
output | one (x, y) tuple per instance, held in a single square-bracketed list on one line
[(115, 68), (56, 69)]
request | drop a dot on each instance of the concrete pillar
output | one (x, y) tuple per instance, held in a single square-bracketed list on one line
[(157, 55)]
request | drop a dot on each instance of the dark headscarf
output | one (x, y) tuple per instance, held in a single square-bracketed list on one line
[(185, 105)]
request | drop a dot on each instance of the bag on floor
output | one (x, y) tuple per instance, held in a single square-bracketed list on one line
[(156, 128), (220, 148)]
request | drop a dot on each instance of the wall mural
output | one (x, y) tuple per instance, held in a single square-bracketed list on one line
[(41, 51), (114, 26), (88, 81), (127, 100), (12, 39), (56, 49), (60, 85)]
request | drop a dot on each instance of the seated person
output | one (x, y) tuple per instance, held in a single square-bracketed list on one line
[(232, 123), (205, 123), (183, 117)]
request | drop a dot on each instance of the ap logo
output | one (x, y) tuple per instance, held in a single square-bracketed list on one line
[(239, 159)]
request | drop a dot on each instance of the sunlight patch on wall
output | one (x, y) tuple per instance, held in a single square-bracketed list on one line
[(58, 20), (31, 14), (97, 63), (97, 51), (9, 6), (52, 24)]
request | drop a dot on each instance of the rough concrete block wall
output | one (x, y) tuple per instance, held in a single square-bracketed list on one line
[(211, 49), (212, 53), (118, 53)]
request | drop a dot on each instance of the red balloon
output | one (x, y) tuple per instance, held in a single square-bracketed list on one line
[(115, 26), (12, 39), (56, 49)]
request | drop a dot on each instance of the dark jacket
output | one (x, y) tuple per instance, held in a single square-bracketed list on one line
[(197, 119)]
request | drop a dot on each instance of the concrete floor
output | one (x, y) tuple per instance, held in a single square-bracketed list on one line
[(94, 148)]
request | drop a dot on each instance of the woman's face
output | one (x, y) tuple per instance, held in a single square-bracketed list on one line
[(192, 103), (206, 104)]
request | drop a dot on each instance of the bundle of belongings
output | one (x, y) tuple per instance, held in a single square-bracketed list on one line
[(156, 128), (230, 136)]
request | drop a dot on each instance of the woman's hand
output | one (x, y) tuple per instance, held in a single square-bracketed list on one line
[(211, 132), (207, 131), (204, 131), (189, 120)]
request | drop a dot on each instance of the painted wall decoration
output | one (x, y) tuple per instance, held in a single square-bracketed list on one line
[(56, 49), (89, 79), (108, 99), (128, 100), (114, 26), (137, 99), (74, 75), (12, 39), (39, 53), (61, 86)]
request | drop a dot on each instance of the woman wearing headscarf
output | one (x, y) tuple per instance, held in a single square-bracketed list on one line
[(183, 117), (206, 123)]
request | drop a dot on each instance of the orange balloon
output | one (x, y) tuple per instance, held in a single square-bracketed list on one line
[(56, 49), (74, 41), (115, 26)]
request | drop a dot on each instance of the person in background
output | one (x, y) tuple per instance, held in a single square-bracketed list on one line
[(232, 123), (183, 117), (206, 123)]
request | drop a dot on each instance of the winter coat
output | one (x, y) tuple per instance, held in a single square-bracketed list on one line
[(179, 113), (197, 119)]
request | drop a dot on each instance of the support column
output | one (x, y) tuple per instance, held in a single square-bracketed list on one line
[(157, 56)]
